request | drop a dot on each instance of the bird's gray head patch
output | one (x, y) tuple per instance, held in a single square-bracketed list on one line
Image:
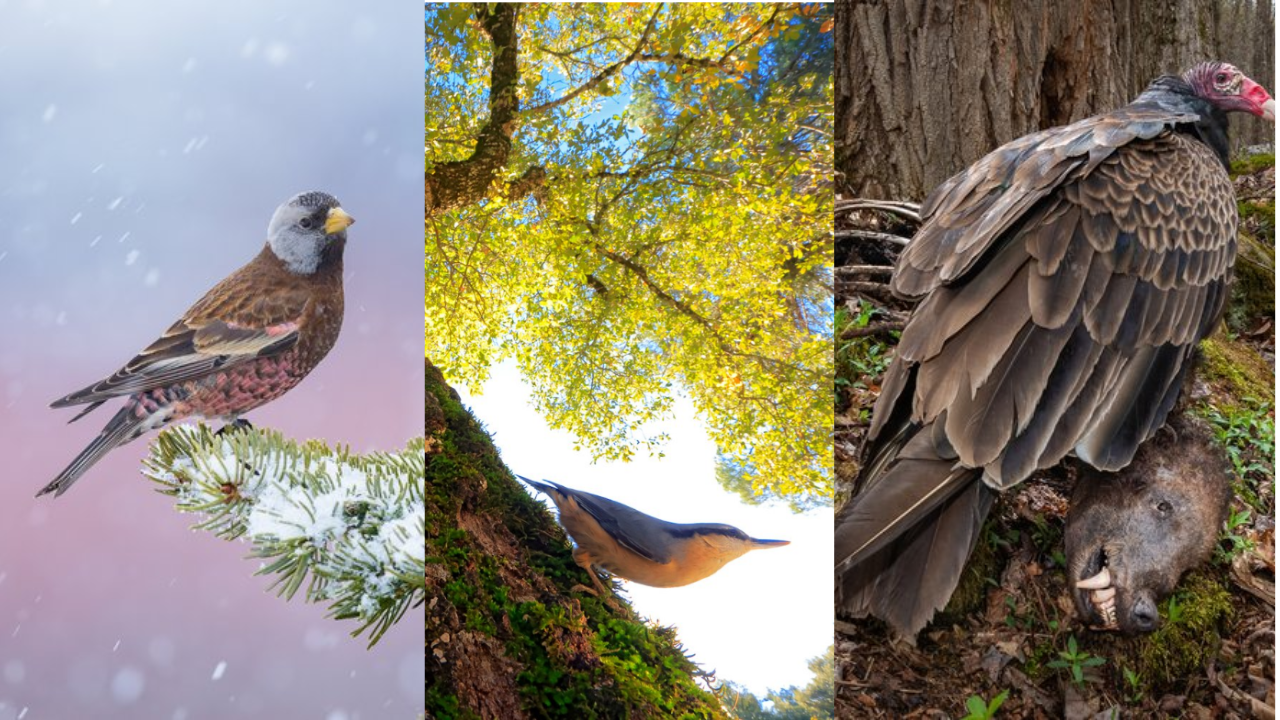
[(314, 200), (303, 227)]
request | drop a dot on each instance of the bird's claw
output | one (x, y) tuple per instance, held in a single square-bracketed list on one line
[(602, 594), (605, 597), (234, 426), (583, 588), (237, 425)]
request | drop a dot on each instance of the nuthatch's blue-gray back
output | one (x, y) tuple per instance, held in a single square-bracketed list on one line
[(641, 548)]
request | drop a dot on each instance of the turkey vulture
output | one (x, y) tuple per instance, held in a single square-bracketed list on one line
[(1063, 283)]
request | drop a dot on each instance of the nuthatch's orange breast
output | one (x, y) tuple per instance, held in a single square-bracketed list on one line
[(691, 561)]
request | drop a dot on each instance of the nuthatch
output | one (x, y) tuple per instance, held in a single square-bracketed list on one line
[(641, 548)]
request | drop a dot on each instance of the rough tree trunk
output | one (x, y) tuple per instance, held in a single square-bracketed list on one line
[(454, 184), (926, 87), (506, 637)]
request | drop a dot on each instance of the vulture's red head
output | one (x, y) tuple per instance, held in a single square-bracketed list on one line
[(1226, 87)]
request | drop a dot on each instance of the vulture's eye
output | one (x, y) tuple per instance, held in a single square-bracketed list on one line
[(305, 223), (1221, 78), (1164, 507)]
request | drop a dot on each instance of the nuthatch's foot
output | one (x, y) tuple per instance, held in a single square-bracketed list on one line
[(585, 589), (595, 579), (606, 597)]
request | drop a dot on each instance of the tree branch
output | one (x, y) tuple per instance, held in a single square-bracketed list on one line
[(682, 59), (908, 210), (869, 235), (603, 74), (352, 528), (870, 330), (464, 182), (774, 16), (642, 274)]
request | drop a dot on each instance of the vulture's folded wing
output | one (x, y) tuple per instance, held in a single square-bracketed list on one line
[(1074, 330), (1066, 279)]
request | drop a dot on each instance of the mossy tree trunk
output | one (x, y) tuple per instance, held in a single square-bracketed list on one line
[(505, 637)]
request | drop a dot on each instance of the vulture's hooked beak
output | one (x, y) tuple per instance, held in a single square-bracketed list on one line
[(1257, 96)]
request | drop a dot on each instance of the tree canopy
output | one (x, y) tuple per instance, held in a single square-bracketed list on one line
[(814, 701), (634, 203)]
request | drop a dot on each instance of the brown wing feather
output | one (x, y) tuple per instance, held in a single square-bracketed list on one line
[(968, 213), (1091, 255), (1066, 279), (247, 315)]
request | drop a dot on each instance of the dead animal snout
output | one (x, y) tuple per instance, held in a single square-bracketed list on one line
[(1102, 595)]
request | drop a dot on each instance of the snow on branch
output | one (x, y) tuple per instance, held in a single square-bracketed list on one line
[(352, 528)]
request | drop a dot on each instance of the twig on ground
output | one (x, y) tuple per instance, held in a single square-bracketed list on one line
[(897, 207), (869, 235), (870, 330), (864, 270)]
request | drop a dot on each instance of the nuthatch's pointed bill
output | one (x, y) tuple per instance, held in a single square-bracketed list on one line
[(758, 544)]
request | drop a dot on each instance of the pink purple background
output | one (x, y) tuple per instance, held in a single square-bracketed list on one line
[(143, 147)]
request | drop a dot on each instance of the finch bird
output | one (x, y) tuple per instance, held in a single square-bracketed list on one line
[(248, 341)]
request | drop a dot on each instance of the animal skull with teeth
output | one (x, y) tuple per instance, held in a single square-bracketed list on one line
[(1102, 595), (1131, 535)]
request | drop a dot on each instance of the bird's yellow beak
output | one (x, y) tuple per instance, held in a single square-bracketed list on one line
[(337, 221)]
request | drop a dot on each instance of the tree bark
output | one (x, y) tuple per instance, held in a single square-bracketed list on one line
[(506, 637), (465, 182), (926, 87)]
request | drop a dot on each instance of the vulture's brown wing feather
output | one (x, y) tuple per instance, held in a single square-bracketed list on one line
[(969, 213), (1136, 251), (1065, 280)]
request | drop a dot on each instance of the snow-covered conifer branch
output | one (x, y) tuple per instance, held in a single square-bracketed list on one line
[(352, 528)]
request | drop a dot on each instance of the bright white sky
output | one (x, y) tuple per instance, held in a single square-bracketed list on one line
[(756, 622)]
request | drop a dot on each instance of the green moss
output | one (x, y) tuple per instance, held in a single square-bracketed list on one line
[(1184, 642), (1250, 164), (1235, 371), (1264, 212), (624, 669), (1253, 292), (444, 706), (1037, 665), (862, 359), (572, 655)]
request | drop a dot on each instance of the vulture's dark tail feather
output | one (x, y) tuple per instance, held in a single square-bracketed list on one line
[(913, 577), (902, 542)]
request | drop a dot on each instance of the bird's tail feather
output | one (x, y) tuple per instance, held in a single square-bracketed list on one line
[(902, 542), (902, 491), (88, 409), (544, 487), (119, 430), (914, 576)]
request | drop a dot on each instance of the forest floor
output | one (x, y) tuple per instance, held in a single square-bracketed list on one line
[(1014, 639)]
